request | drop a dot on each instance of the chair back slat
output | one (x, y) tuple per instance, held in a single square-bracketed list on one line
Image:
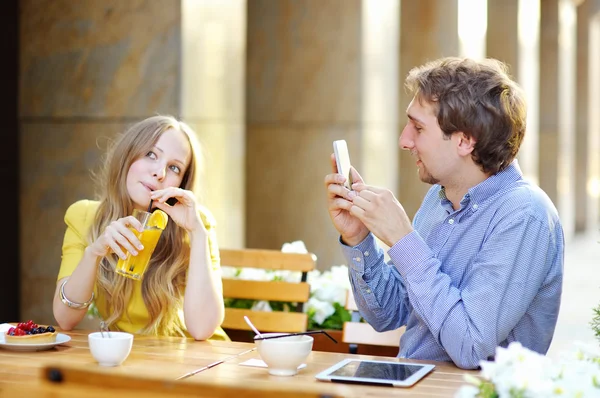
[(285, 322), (264, 290), (276, 321), (268, 259)]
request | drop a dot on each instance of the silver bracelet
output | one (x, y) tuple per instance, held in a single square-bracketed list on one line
[(72, 304)]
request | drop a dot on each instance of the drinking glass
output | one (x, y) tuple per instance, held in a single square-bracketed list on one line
[(134, 266)]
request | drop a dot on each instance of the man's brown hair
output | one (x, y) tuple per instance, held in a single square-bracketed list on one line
[(479, 99)]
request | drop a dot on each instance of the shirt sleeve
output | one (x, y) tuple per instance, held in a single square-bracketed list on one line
[(75, 239), (377, 286), (471, 319)]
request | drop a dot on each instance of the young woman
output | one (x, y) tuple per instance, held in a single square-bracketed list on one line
[(181, 291)]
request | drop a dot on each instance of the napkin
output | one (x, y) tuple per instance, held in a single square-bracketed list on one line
[(259, 363), (4, 327)]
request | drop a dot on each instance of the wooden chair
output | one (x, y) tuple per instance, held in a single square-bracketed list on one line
[(276, 321), (356, 332)]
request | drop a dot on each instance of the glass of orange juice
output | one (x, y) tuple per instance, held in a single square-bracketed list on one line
[(153, 223)]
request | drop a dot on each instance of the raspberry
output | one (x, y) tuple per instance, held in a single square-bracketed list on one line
[(19, 332)]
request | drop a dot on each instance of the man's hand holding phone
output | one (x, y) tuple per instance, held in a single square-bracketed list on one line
[(375, 209), (339, 196)]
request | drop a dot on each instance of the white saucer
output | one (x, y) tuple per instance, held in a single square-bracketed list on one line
[(60, 339)]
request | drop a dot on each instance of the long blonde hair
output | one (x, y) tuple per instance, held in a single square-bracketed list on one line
[(164, 281)]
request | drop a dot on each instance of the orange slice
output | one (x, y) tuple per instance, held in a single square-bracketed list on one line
[(158, 219)]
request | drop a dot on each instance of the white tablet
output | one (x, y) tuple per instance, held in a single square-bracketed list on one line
[(386, 373)]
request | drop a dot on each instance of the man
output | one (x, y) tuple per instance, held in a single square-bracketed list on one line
[(482, 263)]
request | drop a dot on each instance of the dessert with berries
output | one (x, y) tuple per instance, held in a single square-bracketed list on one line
[(30, 333)]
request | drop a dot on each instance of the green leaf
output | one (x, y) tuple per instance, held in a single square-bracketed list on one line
[(595, 323), (239, 303), (335, 321), (92, 311)]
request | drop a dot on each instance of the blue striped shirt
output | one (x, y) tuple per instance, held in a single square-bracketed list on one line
[(466, 281)]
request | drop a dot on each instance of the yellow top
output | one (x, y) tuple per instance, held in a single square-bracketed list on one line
[(79, 218)]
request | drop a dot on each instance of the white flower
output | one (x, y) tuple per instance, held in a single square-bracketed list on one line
[(323, 309), (467, 392), (294, 247), (331, 286), (262, 306), (517, 368), (254, 274), (326, 288), (229, 272), (287, 276), (523, 372)]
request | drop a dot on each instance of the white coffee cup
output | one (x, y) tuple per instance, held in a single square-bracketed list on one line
[(110, 348), (284, 355)]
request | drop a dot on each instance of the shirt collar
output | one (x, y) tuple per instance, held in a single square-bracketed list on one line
[(488, 187), (494, 183)]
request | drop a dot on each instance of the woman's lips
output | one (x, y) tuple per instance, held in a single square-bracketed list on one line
[(149, 188)]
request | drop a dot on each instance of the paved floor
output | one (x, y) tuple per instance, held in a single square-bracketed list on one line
[(581, 293)]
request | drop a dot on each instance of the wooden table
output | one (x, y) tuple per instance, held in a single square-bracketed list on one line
[(155, 363)]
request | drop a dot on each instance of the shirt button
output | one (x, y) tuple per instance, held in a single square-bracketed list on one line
[(366, 254), (475, 207), (451, 221), (357, 259), (368, 291)]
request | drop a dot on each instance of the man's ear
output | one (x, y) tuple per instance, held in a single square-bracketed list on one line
[(465, 144)]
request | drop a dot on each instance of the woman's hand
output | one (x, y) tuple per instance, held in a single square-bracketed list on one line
[(184, 212), (118, 238)]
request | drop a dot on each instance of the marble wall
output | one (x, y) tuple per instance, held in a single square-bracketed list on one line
[(85, 74), (428, 30), (268, 85), (303, 91), (213, 42)]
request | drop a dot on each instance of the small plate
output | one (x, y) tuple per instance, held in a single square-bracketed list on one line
[(60, 339)]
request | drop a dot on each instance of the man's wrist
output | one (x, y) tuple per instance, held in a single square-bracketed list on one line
[(354, 240), (396, 237)]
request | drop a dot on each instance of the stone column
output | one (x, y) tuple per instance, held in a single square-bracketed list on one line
[(582, 136), (302, 93), (85, 75), (316, 72), (9, 163), (512, 37), (379, 98), (428, 30), (213, 40), (503, 33), (594, 117), (557, 102)]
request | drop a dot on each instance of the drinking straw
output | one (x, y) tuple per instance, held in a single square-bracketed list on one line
[(212, 365), (296, 334), (150, 206)]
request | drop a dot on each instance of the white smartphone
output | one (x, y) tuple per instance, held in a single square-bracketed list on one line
[(342, 159)]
